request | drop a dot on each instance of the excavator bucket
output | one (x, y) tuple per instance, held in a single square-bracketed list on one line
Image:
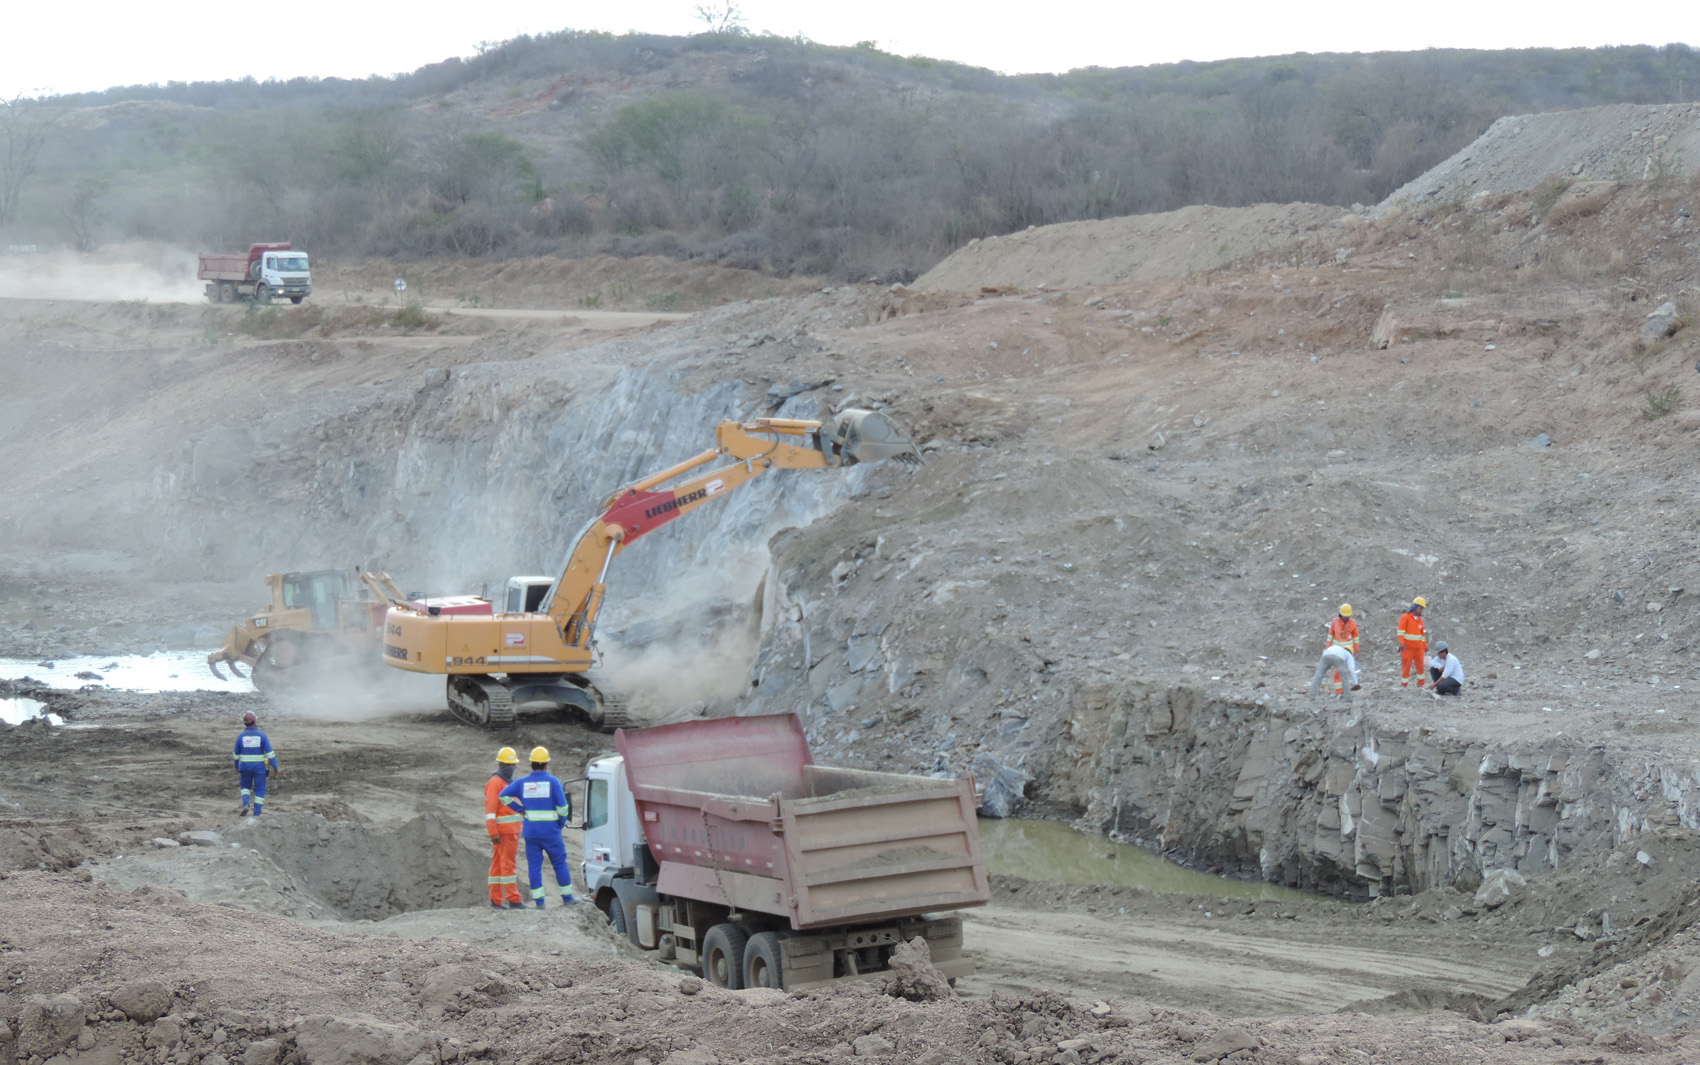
[(867, 436)]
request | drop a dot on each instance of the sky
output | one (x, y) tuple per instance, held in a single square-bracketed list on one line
[(53, 47)]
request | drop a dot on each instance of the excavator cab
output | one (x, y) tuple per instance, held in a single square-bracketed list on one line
[(526, 594)]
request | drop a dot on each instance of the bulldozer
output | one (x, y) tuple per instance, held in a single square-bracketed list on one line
[(315, 617), (536, 652)]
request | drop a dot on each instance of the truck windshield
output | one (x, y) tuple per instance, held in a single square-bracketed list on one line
[(296, 263), (595, 803)]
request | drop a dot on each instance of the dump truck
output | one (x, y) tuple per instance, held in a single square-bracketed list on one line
[(267, 272), (538, 651), (720, 845)]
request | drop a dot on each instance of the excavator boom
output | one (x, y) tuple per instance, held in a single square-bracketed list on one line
[(545, 655)]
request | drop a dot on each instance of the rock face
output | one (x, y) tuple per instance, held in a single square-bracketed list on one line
[(49, 1024), (1340, 805)]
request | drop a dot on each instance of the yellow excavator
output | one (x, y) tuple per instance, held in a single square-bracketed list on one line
[(314, 617), (537, 650)]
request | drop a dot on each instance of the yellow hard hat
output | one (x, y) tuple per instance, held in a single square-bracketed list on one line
[(540, 754), (1419, 601), (1345, 610), (506, 756)]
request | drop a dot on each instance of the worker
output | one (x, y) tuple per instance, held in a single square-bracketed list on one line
[(503, 825), (1447, 671), (1340, 659), (544, 803), (1343, 632), (252, 755), (1413, 643)]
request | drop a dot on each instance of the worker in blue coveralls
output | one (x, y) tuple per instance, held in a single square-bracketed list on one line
[(541, 798), (252, 755)]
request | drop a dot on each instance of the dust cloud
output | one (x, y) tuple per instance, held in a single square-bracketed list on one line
[(360, 691), (125, 272), (699, 650)]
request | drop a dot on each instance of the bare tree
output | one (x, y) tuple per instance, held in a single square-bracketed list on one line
[(81, 213), (721, 18), (24, 126)]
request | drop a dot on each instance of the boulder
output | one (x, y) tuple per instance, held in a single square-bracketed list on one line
[(913, 976), (143, 1001), (1002, 786), (49, 1024), (1661, 323), (1226, 1041), (166, 1033), (261, 1052), (359, 1040), (1500, 887)]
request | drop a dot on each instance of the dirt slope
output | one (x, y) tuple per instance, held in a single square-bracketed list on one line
[(1192, 240)]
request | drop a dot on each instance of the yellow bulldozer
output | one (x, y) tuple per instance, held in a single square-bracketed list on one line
[(315, 618), (537, 650)]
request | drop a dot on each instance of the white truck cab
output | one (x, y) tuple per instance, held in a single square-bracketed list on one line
[(283, 274), (612, 831)]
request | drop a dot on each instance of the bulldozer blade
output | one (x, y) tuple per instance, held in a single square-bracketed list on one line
[(869, 436), (212, 664)]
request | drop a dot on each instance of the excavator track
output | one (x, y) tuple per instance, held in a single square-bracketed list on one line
[(480, 701), (615, 713)]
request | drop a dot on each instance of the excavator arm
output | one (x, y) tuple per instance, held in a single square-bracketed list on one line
[(755, 447)]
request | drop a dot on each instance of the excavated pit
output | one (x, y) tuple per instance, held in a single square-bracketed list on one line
[(303, 866)]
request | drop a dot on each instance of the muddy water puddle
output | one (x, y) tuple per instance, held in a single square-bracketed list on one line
[(17, 710), (1055, 853), (163, 671)]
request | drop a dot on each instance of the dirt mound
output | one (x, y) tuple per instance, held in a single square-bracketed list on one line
[(1623, 141), (1141, 247), (327, 998)]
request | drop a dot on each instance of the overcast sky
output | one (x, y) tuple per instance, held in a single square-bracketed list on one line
[(49, 46)]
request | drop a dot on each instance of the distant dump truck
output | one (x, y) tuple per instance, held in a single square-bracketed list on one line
[(267, 272), (723, 847)]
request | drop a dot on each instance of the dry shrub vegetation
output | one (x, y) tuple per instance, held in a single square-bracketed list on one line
[(761, 152)]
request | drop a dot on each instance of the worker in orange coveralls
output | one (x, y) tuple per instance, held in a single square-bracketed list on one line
[(1413, 644), (504, 825), (1343, 632)]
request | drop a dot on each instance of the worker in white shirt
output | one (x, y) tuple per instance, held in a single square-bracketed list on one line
[(1338, 657), (1447, 671)]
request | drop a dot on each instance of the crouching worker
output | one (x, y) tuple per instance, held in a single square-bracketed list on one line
[(540, 797), (1344, 664), (1447, 671)]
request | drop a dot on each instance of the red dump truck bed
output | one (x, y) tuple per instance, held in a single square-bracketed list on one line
[(735, 809), (223, 268)]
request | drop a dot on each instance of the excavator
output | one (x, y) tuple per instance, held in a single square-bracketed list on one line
[(314, 617), (536, 652)]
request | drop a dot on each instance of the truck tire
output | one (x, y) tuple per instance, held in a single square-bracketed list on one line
[(262, 293), (723, 956), (227, 292), (617, 916), (297, 300), (764, 964)]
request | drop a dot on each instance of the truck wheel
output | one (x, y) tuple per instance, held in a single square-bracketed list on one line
[(616, 916), (297, 300), (226, 292), (262, 293), (723, 956), (763, 961)]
